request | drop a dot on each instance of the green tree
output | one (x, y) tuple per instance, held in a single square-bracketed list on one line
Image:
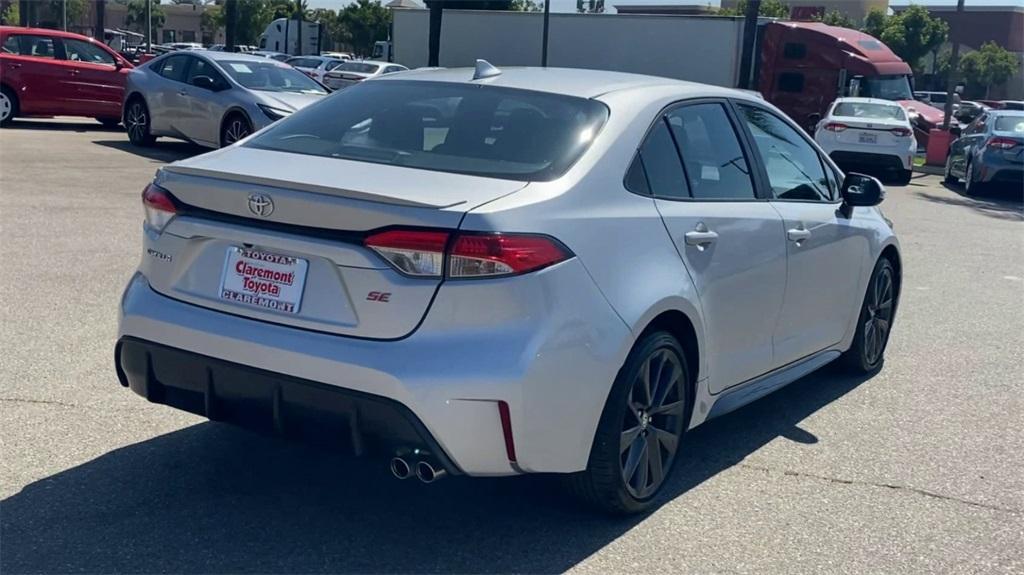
[(527, 6), (911, 34), (768, 9), (9, 14), (874, 22), (990, 66), (366, 22), (837, 18), (253, 17), (136, 17)]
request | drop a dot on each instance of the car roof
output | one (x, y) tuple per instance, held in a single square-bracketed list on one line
[(858, 100), (43, 32), (219, 56), (578, 82)]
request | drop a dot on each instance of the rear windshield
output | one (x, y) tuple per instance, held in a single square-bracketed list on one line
[(461, 128), (870, 111), (270, 76), (1009, 124), (361, 67)]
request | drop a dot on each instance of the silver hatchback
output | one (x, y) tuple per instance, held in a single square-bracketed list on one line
[(211, 98), (477, 272)]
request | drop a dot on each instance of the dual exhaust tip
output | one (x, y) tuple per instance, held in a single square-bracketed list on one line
[(423, 470)]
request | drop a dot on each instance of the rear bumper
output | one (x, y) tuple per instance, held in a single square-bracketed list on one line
[(258, 399), (875, 161), (547, 345)]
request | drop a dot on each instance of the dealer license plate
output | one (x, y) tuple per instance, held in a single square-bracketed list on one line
[(868, 138), (263, 279)]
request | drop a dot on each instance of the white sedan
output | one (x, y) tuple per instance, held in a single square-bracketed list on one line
[(353, 72), (869, 134)]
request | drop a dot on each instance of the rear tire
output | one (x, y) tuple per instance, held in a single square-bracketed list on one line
[(137, 123), (948, 176), (971, 187), (644, 418), (874, 324), (8, 105)]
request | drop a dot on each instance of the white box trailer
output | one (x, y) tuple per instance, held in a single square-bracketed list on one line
[(698, 48)]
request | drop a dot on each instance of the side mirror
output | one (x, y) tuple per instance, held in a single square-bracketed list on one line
[(861, 190), (204, 82), (118, 64), (955, 131), (812, 122)]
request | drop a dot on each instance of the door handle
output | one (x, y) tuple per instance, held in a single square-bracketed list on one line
[(183, 92), (700, 237), (798, 234), (73, 72)]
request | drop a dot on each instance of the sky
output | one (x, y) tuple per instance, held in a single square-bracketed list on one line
[(570, 5)]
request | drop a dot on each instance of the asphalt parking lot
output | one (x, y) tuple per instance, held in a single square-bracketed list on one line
[(916, 470)]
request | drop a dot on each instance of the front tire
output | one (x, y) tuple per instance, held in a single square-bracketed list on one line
[(8, 105), (236, 127), (904, 177), (867, 353), (640, 431)]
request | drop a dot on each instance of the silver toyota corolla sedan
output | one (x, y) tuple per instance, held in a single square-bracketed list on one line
[(486, 272), (211, 98)]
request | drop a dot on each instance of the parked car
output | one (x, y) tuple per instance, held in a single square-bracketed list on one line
[(52, 73), (969, 110), (272, 55), (337, 55), (313, 66), (1011, 105), (869, 134), (937, 99), (350, 73), (431, 265), (211, 98), (990, 150)]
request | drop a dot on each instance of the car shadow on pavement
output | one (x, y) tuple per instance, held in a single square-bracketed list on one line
[(164, 152), (1002, 202), (81, 126), (210, 498)]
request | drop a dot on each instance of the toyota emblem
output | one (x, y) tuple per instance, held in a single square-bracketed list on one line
[(261, 205)]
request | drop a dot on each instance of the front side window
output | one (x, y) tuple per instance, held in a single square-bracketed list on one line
[(270, 76), (1009, 124), (304, 62), (794, 168), (716, 168), (79, 51), (30, 45), (201, 67), (448, 127), (173, 68)]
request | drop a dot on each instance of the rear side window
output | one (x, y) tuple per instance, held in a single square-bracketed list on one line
[(450, 127), (173, 68), (661, 165), (30, 45), (1009, 124), (715, 165), (794, 51)]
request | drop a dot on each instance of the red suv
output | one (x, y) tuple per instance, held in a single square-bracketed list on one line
[(53, 73)]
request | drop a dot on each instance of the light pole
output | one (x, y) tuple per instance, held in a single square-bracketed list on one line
[(149, 26), (64, 10), (954, 64), (544, 46)]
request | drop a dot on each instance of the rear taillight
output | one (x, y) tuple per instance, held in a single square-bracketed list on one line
[(412, 252), (1000, 143), (835, 127), (427, 253), (159, 206), (901, 132)]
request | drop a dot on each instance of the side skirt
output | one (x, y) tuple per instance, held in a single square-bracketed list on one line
[(755, 389)]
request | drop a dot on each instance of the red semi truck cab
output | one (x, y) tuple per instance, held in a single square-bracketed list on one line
[(805, 66)]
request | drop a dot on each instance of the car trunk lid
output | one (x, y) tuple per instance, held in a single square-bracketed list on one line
[(279, 237)]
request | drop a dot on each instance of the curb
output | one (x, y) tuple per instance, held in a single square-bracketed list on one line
[(931, 170)]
